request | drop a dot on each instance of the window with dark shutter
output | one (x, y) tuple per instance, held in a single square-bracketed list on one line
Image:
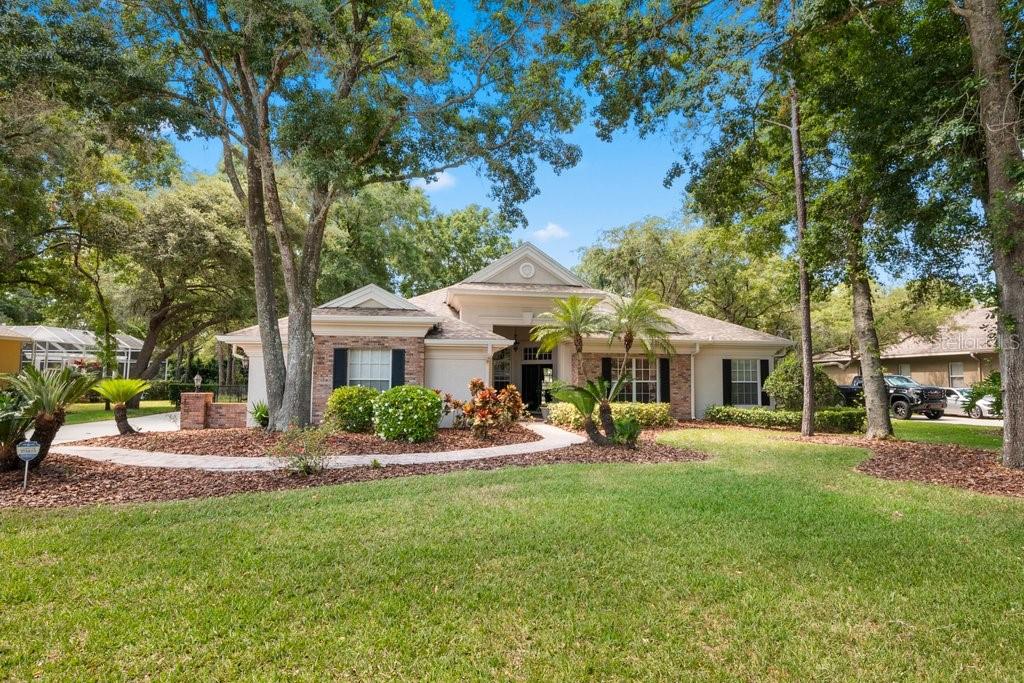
[(397, 367), (606, 369), (727, 381), (340, 376), (664, 384), (765, 399)]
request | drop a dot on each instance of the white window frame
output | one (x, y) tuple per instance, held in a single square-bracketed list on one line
[(538, 355), (365, 367), (733, 382), (501, 367), (961, 375), (629, 392)]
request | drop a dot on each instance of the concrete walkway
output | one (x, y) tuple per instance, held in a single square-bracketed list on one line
[(161, 422), (552, 438)]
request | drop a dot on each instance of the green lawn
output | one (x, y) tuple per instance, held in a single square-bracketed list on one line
[(927, 431), (776, 560), (93, 412)]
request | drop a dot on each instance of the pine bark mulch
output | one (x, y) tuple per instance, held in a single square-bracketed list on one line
[(68, 481), (257, 442)]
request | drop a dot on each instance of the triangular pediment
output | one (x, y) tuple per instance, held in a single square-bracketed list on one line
[(371, 296), (527, 265)]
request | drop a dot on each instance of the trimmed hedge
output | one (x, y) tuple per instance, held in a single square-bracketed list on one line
[(835, 420), (646, 414), (407, 413), (351, 408)]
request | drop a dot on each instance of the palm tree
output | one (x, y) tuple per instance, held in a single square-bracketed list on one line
[(639, 320), (48, 394), (635, 320), (120, 392), (572, 320)]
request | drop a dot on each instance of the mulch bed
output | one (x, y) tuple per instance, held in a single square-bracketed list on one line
[(974, 469), (67, 481), (257, 442), (965, 468)]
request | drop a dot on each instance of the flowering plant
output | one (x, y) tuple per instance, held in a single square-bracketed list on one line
[(489, 408)]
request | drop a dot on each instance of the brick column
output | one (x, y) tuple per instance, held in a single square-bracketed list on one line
[(194, 409)]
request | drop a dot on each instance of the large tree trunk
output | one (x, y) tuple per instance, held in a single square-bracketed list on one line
[(274, 369), (1000, 118), (876, 396), (806, 350)]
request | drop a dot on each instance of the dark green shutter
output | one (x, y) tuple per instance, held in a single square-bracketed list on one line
[(765, 399), (606, 369), (340, 378), (397, 367), (726, 382), (664, 381)]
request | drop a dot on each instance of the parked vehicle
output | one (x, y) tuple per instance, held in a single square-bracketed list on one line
[(906, 397), (956, 401)]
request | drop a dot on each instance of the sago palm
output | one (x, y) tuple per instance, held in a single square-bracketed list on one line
[(48, 394), (14, 422), (119, 392), (572, 320)]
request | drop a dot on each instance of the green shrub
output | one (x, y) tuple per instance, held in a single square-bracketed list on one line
[(990, 386), (786, 385), (835, 420), (407, 413), (627, 431), (260, 414), (646, 414), (351, 408), (302, 450)]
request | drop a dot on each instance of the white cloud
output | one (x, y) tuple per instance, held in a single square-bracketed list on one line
[(442, 181), (551, 231)]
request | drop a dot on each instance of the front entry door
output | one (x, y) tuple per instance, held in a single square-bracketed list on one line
[(534, 378)]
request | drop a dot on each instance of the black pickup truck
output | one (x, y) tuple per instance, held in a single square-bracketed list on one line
[(906, 397)]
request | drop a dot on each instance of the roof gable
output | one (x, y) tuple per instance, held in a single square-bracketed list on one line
[(371, 296), (526, 265)]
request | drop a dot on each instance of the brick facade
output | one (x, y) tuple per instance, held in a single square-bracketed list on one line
[(680, 379), (323, 362), (198, 411)]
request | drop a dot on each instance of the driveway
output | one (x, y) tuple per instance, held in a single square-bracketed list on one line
[(162, 422), (961, 420)]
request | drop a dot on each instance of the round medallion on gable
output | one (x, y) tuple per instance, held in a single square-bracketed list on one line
[(527, 270)]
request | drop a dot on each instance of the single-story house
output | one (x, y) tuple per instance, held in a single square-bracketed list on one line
[(11, 343), (962, 352), (480, 327)]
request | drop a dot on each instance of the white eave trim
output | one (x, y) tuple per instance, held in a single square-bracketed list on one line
[(390, 319), (371, 293), (496, 343)]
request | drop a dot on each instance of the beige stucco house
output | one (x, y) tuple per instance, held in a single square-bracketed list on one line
[(480, 327), (962, 352)]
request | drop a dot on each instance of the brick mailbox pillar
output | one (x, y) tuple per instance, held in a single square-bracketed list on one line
[(198, 411), (194, 409)]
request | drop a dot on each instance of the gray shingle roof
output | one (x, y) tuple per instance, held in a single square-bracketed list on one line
[(451, 327)]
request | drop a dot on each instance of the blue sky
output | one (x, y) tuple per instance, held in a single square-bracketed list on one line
[(615, 183)]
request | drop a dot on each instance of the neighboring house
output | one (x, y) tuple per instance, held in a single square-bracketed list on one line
[(961, 353), (60, 347), (11, 343), (480, 327)]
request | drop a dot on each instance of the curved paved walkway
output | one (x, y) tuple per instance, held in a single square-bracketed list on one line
[(552, 438)]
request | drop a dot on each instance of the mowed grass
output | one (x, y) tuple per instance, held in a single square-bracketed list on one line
[(79, 413), (774, 561), (927, 431)]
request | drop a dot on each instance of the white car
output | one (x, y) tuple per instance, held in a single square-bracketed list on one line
[(956, 399)]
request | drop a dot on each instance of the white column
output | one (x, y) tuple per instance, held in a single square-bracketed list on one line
[(257, 383)]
